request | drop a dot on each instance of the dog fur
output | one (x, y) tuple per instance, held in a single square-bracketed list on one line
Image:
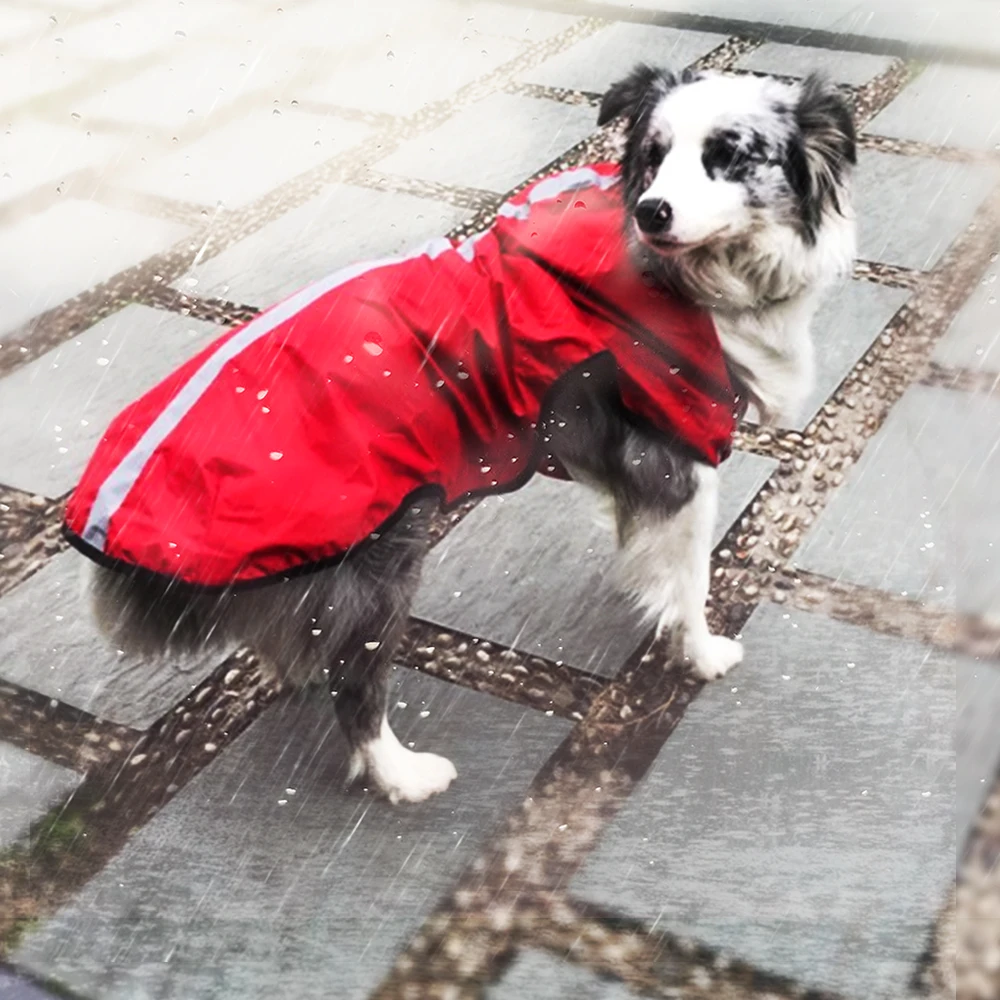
[(738, 197)]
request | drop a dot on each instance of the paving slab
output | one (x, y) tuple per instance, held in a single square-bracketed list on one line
[(29, 787), (910, 208), (343, 225), (411, 72), (538, 974), (976, 744), (37, 70), (533, 569), (917, 515), (946, 106), (853, 68), (972, 339), (264, 876), (38, 154), (848, 322), (598, 61), (68, 248), (15, 987), (802, 816), (49, 643), (216, 169), (56, 408), (524, 23), (495, 143)]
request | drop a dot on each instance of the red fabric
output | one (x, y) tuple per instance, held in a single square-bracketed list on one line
[(425, 372)]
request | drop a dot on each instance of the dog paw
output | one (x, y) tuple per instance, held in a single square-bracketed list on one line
[(715, 656), (417, 777)]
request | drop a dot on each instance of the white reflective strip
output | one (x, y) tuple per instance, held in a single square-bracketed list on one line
[(571, 180), (511, 211), (120, 481)]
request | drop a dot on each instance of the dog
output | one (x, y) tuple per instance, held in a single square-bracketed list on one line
[(737, 195)]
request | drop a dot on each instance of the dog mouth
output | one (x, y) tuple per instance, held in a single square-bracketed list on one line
[(670, 245)]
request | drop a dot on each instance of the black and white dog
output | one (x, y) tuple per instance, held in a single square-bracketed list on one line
[(737, 191)]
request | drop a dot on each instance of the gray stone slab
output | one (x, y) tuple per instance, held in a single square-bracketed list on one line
[(495, 143), (341, 226), (977, 741), (216, 169), (15, 987), (848, 322), (972, 339), (50, 257), (538, 974), (802, 815), (29, 787), (533, 569), (264, 878), (910, 208), (49, 643), (854, 68), (596, 62), (946, 106), (918, 514), (524, 23), (56, 408), (412, 71)]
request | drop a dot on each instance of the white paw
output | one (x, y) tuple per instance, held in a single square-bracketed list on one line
[(416, 777), (714, 656)]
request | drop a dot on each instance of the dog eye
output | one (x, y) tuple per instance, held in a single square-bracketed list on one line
[(721, 154), (655, 154)]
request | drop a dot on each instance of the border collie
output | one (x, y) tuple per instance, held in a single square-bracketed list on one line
[(737, 196)]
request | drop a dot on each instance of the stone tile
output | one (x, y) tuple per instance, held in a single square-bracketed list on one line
[(917, 515), (802, 815), (23, 25), (595, 63), (341, 226), (539, 974), (29, 787), (49, 643), (68, 248), (533, 569), (263, 876), (977, 743), (947, 106), (413, 72), (853, 68), (186, 90), (15, 987), (888, 191), (972, 339), (216, 169), (56, 408), (495, 143), (30, 72), (37, 154), (524, 23), (848, 322), (144, 27)]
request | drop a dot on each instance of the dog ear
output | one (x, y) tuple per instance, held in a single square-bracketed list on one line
[(824, 149), (644, 85)]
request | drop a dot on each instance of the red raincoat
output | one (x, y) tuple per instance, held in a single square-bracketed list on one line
[(294, 438)]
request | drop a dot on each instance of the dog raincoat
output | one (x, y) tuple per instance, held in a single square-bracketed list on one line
[(294, 438)]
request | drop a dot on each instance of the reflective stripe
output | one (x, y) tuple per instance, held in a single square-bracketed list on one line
[(123, 477)]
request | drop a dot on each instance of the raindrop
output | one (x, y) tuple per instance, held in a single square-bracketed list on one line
[(371, 646), (276, 455), (262, 393), (180, 34), (276, 111), (580, 204), (75, 115), (103, 361), (59, 41), (53, 19), (373, 344), (390, 55), (463, 375), (424, 714), (282, 802), (386, 373), (348, 358), (317, 631), (241, 388), (265, 409), (290, 791), (485, 468)]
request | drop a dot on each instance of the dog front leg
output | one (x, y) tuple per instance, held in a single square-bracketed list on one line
[(665, 564)]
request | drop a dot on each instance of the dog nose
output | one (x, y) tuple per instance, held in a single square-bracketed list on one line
[(653, 216)]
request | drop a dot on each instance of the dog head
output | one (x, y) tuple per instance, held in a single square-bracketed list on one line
[(714, 160)]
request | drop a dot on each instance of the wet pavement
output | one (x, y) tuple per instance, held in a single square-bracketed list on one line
[(825, 822)]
